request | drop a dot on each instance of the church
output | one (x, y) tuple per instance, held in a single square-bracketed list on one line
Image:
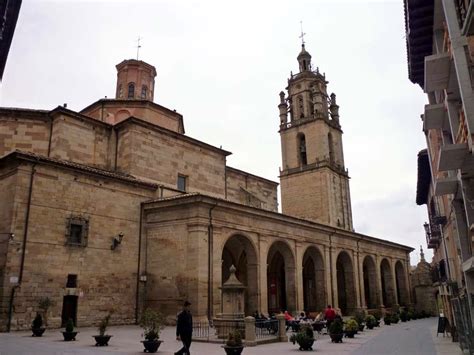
[(115, 209)]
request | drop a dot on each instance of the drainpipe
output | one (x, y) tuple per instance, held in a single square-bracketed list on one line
[(23, 252), (137, 296), (50, 134), (210, 246)]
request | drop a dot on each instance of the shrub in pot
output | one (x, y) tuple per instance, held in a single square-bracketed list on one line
[(336, 331), (69, 334), (304, 337), (370, 321), (360, 319), (151, 322), (403, 316), (45, 303), (350, 328), (395, 318), (233, 344), (103, 339), (37, 326), (378, 315), (387, 319)]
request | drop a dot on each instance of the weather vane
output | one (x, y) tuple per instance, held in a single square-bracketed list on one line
[(302, 33), (138, 46)]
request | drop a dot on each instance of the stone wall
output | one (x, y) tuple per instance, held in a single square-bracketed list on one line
[(106, 279), (251, 190)]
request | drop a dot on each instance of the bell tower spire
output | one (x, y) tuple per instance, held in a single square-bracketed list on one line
[(314, 180)]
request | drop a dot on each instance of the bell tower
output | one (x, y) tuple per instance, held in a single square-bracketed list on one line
[(314, 182)]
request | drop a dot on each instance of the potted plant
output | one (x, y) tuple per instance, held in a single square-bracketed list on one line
[(360, 318), (336, 331), (378, 315), (351, 327), (387, 319), (395, 318), (37, 326), (69, 333), (410, 315), (44, 303), (152, 323), (304, 337), (103, 339), (370, 321), (233, 344), (403, 316)]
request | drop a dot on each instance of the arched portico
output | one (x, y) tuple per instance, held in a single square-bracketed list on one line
[(346, 295), (370, 282), (281, 288), (387, 282), (314, 286), (402, 289), (240, 252)]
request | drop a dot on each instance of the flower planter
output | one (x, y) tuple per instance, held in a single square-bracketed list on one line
[(336, 338), (69, 336), (102, 340), (37, 332), (151, 346), (350, 333), (233, 350), (370, 326), (306, 344)]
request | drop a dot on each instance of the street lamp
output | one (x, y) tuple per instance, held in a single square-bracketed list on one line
[(116, 241), (11, 236)]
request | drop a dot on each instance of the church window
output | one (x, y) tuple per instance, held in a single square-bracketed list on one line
[(131, 90), (144, 91), (182, 182), (331, 148), (77, 229), (71, 281), (302, 150), (301, 106)]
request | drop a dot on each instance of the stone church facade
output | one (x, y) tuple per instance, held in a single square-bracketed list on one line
[(115, 208)]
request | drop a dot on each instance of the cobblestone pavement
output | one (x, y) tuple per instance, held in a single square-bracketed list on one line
[(415, 337)]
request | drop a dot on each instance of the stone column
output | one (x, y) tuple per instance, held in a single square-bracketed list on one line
[(361, 282), (394, 282), (250, 337), (281, 328), (379, 281), (355, 263), (328, 275), (299, 277), (334, 278), (263, 256)]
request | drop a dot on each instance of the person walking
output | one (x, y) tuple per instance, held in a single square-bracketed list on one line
[(184, 329), (329, 315)]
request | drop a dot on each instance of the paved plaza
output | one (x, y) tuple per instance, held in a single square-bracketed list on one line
[(415, 337)]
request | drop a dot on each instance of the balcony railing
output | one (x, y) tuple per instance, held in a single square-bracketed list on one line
[(433, 231)]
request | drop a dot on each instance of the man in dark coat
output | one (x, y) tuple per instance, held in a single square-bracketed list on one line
[(184, 329)]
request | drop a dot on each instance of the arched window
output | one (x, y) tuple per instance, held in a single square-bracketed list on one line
[(301, 106), (304, 64), (131, 90), (302, 150), (144, 91), (331, 148)]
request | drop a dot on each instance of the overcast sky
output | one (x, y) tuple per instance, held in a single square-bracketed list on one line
[(222, 64)]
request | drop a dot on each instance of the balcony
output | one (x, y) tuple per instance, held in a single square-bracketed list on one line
[(433, 231), (435, 117), (452, 156), (445, 186), (466, 16), (437, 72)]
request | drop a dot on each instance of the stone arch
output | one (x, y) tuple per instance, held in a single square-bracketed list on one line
[(281, 287), (370, 282), (387, 283), (346, 295), (314, 286), (239, 251), (402, 289)]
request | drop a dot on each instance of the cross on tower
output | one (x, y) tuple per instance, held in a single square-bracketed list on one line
[(302, 33), (138, 46)]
